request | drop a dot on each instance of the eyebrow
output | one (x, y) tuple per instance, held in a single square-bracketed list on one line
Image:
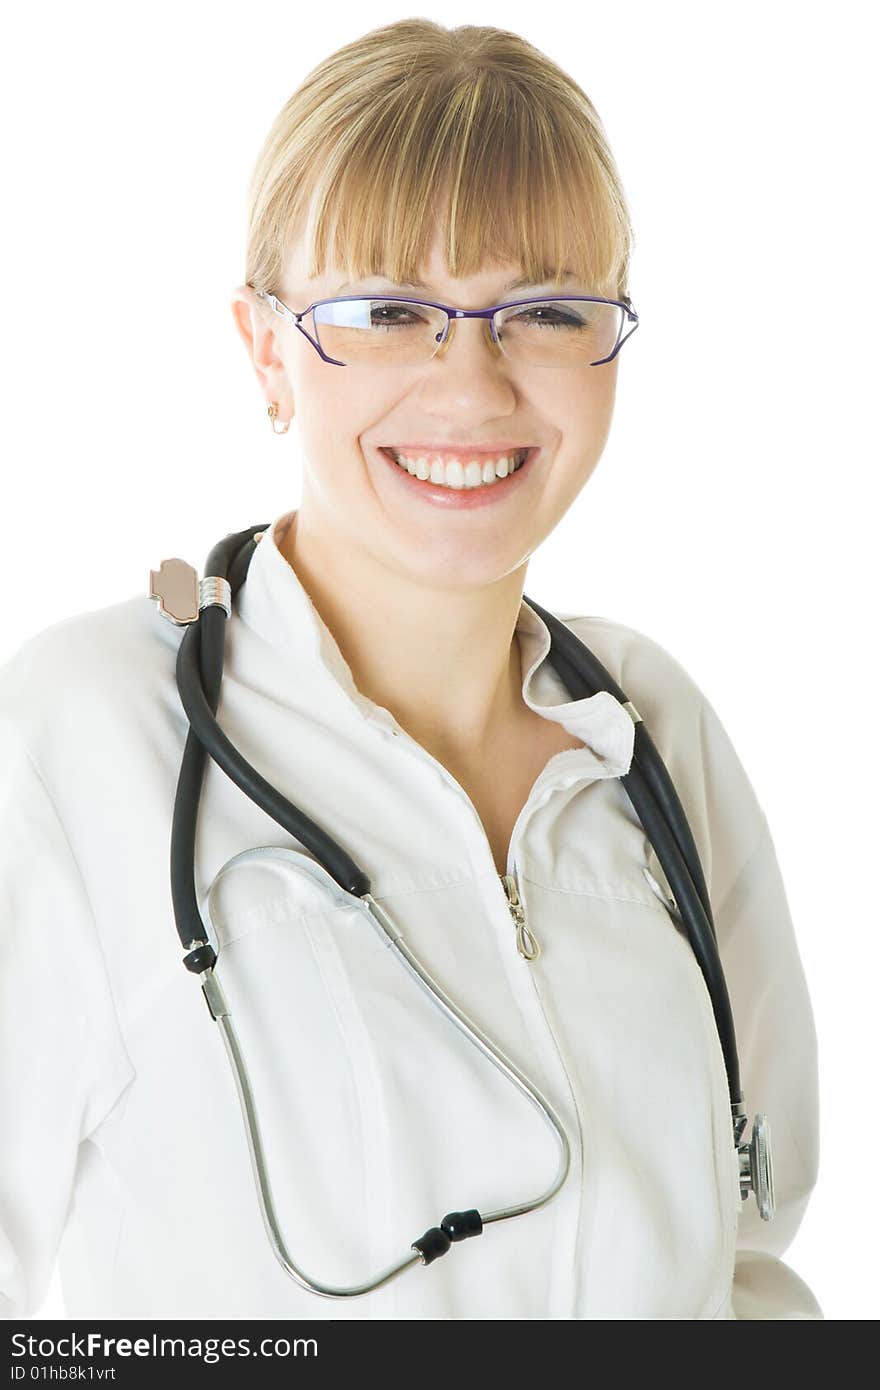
[(505, 289)]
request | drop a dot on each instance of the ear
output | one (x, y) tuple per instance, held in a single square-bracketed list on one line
[(254, 321)]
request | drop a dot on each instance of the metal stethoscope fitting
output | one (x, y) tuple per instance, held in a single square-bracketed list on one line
[(755, 1163), (203, 608)]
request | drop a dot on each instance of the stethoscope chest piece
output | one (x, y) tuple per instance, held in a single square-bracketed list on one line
[(756, 1168)]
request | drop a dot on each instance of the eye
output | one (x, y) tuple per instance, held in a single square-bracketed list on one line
[(548, 316), (386, 314)]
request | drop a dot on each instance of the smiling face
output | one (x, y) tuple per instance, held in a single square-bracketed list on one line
[(469, 398)]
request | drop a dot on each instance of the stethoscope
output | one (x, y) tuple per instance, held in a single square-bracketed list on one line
[(203, 607)]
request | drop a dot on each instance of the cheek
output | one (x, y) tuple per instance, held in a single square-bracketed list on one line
[(334, 408), (583, 417), (595, 403), (601, 415), (583, 422)]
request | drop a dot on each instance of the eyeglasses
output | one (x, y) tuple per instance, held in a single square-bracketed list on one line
[(354, 331)]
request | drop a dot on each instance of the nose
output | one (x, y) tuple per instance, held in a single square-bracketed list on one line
[(468, 376), (471, 331)]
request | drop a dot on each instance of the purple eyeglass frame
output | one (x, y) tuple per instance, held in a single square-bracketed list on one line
[(451, 313)]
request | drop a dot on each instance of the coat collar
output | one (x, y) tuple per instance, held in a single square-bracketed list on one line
[(275, 605)]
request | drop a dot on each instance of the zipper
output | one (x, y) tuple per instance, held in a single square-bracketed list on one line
[(526, 943)]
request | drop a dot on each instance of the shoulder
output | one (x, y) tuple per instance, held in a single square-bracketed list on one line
[(715, 789), (87, 672), (650, 676)]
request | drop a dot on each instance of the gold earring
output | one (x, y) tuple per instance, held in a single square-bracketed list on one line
[(273, 415)]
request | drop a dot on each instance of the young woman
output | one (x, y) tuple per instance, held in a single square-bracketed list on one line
[(436, 294)]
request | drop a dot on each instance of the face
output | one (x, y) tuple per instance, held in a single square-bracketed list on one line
[(468, 399)]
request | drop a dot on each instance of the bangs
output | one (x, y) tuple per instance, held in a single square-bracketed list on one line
[(507, 159)]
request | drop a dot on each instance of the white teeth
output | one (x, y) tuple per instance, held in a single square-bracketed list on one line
[(457, 474), (454, 474), (473, 474)]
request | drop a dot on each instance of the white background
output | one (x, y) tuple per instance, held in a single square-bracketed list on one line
[(735, 508)]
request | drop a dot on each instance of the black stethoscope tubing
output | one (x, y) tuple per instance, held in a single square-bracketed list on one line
[(648, 785)]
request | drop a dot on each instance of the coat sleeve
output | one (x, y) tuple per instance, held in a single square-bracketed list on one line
[(63, 1062), (774, 1025)]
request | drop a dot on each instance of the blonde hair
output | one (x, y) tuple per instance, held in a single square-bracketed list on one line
[(414, 122)]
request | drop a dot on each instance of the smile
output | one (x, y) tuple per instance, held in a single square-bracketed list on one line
[(458, 474), (464, 484)]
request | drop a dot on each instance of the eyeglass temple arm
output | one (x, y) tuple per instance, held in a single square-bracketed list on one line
[(634, 320), (291, 315)]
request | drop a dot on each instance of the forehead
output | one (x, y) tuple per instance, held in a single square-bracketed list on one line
[(434, 275)]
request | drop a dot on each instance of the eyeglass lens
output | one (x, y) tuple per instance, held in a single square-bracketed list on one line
[(542, 333)]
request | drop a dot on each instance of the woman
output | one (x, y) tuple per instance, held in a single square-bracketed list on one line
[(384, 672)]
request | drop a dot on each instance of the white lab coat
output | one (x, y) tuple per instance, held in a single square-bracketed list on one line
[(124, 1149)]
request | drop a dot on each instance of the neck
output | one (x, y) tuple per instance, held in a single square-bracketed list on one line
[(445, 663)]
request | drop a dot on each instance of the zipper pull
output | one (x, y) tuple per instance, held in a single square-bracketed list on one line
[(525, 941)]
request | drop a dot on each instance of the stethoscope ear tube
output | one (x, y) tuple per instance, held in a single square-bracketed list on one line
[(211, 626), (199, 674), (657, 805), (188, 919)]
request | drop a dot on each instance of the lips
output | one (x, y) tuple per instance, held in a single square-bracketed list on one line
[(457, 472), (455, 498)]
